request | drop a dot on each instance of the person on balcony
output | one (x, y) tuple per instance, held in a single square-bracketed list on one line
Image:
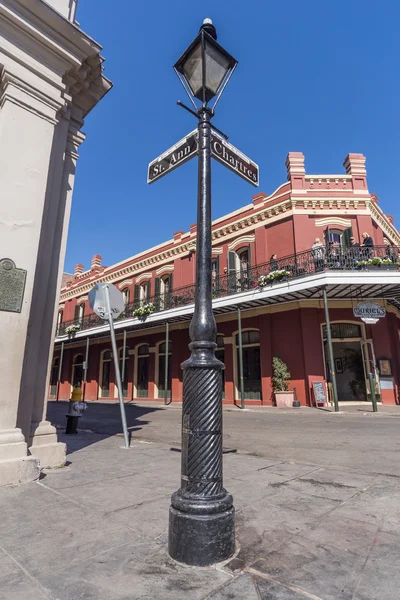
[(318, 254), (334, 255), (273, 262), (367, 245)]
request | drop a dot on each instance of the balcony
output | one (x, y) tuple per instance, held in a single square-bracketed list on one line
[(239, 287)]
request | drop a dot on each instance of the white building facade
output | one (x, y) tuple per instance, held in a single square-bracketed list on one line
[(51, 77)]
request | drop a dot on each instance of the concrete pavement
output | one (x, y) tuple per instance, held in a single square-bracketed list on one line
[(311, 522)]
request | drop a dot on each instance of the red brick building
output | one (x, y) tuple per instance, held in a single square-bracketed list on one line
[(283, 316)]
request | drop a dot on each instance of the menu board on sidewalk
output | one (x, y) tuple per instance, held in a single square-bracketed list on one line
[(319, 392)]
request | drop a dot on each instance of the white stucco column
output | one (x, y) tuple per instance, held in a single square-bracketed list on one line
[(47, 87)]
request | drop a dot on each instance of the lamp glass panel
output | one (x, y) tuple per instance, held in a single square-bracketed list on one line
[(193, 71), (217, 66)]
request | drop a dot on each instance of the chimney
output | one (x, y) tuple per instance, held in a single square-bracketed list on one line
[(296, 170), (355, 166), (96, 262), (178, 235), (78, 270)]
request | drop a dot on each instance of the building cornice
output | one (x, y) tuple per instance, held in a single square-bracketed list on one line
[(245, 224)]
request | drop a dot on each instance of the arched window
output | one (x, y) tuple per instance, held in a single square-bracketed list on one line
[(59, 319), (165, 291), (105, 372), (79, 312), (142, 384), (77, 371), (54, 376), (220, 354), (125, 378), (125, 294), (161, 370), (239, 269), (144, 292), (251, 364)]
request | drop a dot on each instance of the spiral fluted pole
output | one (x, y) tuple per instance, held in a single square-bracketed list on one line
[(201, 521)]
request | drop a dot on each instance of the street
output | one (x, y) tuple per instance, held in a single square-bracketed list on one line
[(316, 497)]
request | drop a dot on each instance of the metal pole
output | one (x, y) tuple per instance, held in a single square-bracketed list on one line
[(86, 368), (123, 363), (166, 364), (330, 351), (241, 379), (59, 371), (373, 395), (116, 366), (201, 518)]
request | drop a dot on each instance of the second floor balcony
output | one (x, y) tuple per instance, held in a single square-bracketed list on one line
[(236, 285)]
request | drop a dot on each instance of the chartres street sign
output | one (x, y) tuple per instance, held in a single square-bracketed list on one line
[(221, 150), (235, 160), (98, 304), (369, 312), (183, 151)]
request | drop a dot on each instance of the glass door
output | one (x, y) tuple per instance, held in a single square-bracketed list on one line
[(369, 362)]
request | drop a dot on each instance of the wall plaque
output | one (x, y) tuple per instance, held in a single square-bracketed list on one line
[(12, 286)]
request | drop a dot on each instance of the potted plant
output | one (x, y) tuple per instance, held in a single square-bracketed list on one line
[(280, 383)]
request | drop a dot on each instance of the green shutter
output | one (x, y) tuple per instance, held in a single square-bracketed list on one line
[(148, 291), (136, 295), (157, 284), (231, 262), (347, 234), (232, 276), (170, 283), (217, 274), (249, 264), (76, 313)]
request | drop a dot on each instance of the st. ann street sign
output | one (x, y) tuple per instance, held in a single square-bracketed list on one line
[(181, 152), (221, 150)]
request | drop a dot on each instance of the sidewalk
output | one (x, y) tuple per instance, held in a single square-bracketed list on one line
[(97, 530)]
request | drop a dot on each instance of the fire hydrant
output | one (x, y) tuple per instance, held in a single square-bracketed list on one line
[(76, 408)]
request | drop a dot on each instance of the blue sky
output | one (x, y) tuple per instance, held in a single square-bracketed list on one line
[(313, 76)]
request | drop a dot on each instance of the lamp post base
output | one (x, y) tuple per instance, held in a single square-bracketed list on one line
[(201, 533)]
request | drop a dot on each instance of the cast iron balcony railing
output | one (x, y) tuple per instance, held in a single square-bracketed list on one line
[(289, 267)]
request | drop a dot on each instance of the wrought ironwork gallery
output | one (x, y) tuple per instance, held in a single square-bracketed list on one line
[(274, 261)]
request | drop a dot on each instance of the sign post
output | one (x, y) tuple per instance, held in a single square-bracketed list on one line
[(108, 303)]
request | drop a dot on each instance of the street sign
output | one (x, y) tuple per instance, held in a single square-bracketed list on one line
[(235, 160), (98, 304), (108, 303), (181, 152)]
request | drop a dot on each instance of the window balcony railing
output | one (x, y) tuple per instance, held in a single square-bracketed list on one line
[(289, 267)]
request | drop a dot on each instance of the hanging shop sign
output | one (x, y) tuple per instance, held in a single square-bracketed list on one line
[(369, 312)]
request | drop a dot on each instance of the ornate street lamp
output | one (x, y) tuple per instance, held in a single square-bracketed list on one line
[(201, 523)]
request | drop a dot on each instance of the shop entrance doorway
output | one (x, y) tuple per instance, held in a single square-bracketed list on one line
[(354, 359)]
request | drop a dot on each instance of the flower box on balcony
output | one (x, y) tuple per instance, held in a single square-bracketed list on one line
[(391, 267), (278, 276), (375, 264)]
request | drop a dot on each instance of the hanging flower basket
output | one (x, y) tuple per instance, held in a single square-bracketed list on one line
[(142, 312), (278, 275)]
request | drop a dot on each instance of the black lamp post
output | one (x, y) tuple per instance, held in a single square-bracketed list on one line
[(201, 521)]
